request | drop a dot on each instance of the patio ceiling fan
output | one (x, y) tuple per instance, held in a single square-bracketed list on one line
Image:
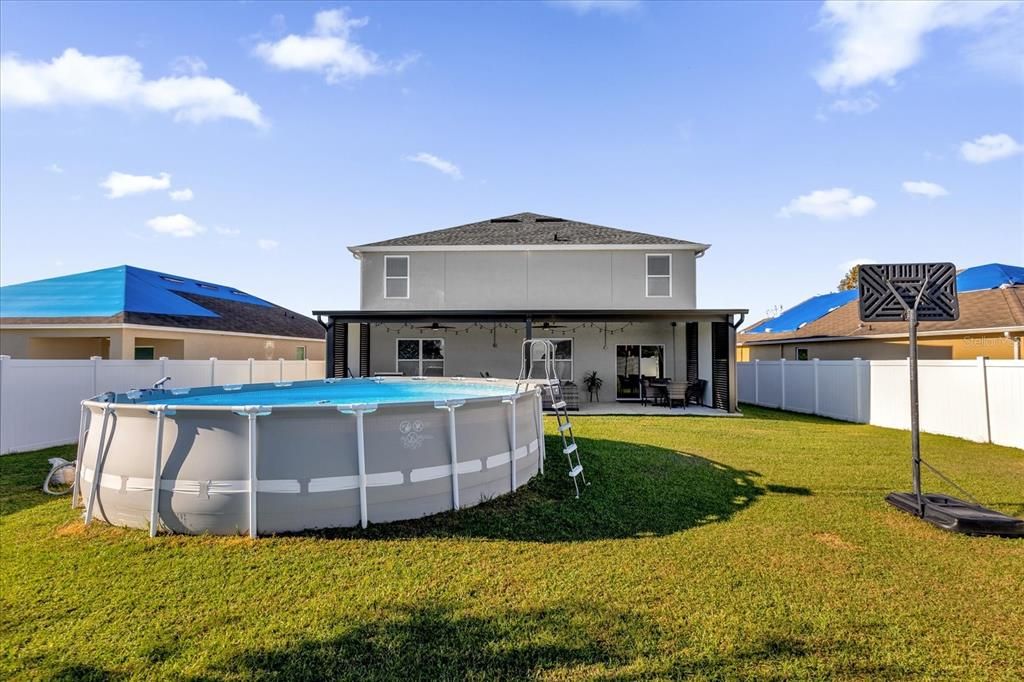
[(548, 325), (434, 325)]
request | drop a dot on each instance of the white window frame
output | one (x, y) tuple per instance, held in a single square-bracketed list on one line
[(648, 275), (572, 356), (797, 353), (300, 348), (420, 360), (407, 277)]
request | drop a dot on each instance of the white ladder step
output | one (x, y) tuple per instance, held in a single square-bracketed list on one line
[(565, 427), (569, 450), (558, 406), (576, 471)]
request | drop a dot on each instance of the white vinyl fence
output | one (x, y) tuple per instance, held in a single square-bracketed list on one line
[(40, 399), (981, 400)]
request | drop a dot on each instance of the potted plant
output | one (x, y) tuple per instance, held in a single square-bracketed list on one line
[(593, 384)]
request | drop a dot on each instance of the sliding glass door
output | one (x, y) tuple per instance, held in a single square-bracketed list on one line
[(636, 361)]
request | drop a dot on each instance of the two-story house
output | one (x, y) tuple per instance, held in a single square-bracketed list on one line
[(460, 301)]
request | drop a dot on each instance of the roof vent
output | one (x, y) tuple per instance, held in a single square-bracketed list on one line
[(504, 220), (550, 220), (211, 287), (560, 239), (172, 280)]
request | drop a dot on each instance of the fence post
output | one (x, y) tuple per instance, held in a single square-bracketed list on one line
[(213, 371), (757, 387), (252, 366), (782, 382), (95, 373), (280, 369), (163, 366), (816, 392), (306, 367), (986, 423), (857, 380)]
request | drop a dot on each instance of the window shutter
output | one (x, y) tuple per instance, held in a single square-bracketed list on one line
[(719, 365), (691, 351)]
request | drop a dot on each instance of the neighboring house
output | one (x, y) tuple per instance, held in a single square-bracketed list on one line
[(828, 327), (460, 301), (129, 313)]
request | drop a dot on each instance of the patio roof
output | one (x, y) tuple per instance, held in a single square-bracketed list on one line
[(563, 315)]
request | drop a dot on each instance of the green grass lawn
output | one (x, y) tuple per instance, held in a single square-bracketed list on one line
[(713, 548)]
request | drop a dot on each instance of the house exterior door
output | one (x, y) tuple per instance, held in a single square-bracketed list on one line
[(634, 361)]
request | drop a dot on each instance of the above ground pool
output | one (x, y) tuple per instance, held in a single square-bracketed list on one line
[(318, 454)]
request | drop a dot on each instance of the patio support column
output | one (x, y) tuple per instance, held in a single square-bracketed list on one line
[(733, 392)]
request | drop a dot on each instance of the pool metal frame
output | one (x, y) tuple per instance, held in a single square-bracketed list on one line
[(110, 403)]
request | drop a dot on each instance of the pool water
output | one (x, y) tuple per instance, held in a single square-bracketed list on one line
[(341, 392)]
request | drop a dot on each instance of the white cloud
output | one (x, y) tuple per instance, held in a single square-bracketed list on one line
[(605, 6), (924, 189), (845, 267), (122, 184), (190, 66), (77, 79), (855, 105), (437, 163), (181, 194), (328, 49), (176, 225), (56, 169), (829, 204), (990, 148), (267, 244), (227, 231), (877, 40)]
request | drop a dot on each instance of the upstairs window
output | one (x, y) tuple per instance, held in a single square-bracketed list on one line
[(396, 277), (659, 275)]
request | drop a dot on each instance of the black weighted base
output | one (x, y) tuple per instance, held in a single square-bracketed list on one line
[(958, 516)]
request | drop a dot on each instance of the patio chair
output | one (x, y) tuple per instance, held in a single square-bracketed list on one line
[(675, 392), (695, 392)]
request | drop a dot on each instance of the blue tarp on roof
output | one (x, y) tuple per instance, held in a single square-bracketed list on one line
[(808, 311), (990, 276), (103, 293)]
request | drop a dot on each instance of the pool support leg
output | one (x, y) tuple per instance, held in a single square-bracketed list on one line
[(512, 437), (157, 455), (361, 457), (450, 405), (94, 488), (359, 411), (252, 475), (77, 485)]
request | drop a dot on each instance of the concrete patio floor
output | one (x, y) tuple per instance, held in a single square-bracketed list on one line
[(631, 408)]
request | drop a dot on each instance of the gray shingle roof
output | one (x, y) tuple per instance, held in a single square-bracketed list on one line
[(525, 229)]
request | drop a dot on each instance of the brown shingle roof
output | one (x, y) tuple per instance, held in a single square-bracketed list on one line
[(525, 229), (986, 309)]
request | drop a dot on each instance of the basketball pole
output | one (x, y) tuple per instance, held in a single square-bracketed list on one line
[(915, 427)]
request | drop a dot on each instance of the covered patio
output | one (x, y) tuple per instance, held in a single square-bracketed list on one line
[(623, 347)]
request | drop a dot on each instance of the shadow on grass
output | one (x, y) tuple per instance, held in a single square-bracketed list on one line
[(21, 478), (434, 643), (769, 414), (635, 491)]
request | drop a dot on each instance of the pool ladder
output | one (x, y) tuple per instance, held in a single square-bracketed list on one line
[(553, 385)]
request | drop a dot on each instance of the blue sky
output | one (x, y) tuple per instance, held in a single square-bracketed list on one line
[(782, 134)]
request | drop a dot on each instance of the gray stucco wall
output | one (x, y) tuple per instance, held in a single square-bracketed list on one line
[(491, 280)]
